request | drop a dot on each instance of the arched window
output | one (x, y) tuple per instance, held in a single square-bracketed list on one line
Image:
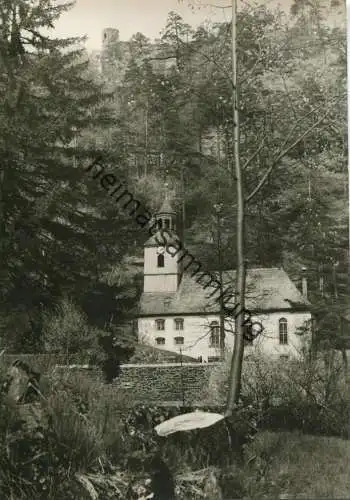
[(283, 331), (160, 340), (214, 334), (160, 260), (179, 340), (166, 223), (160, 223), (160, 324), (179, 323)]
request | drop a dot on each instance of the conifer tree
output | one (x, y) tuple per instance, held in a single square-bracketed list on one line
[(57, 230)]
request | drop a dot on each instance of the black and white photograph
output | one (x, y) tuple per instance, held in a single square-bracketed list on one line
[(174, 250)]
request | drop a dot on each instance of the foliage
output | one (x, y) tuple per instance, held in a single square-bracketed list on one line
[(44, 459), (308, 393), (169, 115), (116, 349), (85, 434), (292, 80), (292, 465), (57, 229), (66, 331), (90, 440)]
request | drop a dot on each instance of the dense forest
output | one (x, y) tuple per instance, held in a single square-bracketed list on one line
[(161, 112), (156, 114)]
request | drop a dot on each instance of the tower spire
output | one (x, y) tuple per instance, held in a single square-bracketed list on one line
[(166, 184), (166, 215), (166, 190), (166, 209)]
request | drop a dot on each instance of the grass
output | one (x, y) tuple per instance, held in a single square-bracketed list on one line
[(293, 465), (88, 437), (278, 465)]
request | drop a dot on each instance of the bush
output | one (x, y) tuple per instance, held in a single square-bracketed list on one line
[(43, 457), (86, 431), (187, 450), (66, 331), (303, 394)]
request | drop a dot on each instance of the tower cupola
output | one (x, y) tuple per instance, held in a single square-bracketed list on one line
[(166, 215)]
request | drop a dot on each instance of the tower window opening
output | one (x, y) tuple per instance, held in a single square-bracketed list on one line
[(167, 223), (160, 260)]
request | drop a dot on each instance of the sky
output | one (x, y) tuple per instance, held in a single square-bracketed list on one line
[(90, 17)]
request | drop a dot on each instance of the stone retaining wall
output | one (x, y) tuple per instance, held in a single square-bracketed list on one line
[(145, 383), (157, 383), (167, 382)]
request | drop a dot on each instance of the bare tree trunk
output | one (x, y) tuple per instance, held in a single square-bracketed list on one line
[(345, 360), (347, 7), (2, 224), (343, 348), (334, 276), (146, 140), (183, 211), (237, 357), (321, 280), (222, 309)]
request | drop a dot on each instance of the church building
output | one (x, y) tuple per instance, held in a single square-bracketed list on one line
[(178, 314)]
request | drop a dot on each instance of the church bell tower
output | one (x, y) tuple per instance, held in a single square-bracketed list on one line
[(161, 270)]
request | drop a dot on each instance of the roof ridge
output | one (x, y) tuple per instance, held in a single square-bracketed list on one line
[(251, 269)]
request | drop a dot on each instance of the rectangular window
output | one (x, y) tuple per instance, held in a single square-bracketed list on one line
[(179, 340), (160, 260), (179, 324), (160, 324), (160, 340)]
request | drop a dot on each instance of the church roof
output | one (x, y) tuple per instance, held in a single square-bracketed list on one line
[(153, 241), (268, 289)]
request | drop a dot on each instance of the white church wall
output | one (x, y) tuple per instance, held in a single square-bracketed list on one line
[(150, 263), (160, 279), (163, 282), (268, 342), (196, 333)]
